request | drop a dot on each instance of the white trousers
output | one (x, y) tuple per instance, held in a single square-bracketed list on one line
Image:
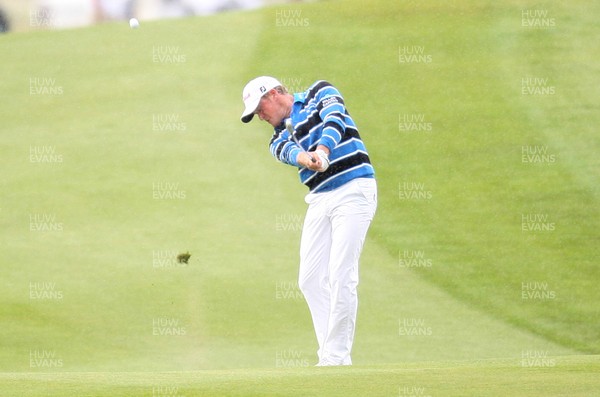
[(334, 231)]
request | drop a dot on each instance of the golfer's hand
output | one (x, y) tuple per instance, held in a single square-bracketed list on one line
[(304, 160)]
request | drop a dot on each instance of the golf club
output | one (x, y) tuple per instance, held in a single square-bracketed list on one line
[(290, 128)]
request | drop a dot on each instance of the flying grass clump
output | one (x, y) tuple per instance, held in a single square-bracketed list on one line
[(184, 257)]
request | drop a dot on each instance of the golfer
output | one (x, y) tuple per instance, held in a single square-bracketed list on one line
[(334, 164)]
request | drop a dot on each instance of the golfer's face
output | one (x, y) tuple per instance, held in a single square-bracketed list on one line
[(270, 110)]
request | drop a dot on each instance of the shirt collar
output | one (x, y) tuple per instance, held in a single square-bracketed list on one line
[(299, 97)]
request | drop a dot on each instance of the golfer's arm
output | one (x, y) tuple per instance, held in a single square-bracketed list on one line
[(284, 150), (332, 114)]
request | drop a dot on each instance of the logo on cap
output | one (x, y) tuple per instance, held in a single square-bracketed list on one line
[(263, 89)]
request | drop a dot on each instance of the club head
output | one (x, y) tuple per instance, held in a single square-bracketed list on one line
[(289, 126)]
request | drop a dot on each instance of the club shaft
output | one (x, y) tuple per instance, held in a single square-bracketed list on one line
[(290, 129)]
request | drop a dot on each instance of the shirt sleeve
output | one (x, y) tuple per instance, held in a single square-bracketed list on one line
[(331, 110), (283, 148)]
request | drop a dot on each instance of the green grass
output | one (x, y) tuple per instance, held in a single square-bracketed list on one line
[(238, 212), (483, 378)]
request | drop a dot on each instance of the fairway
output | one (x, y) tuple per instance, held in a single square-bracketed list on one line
[(483, 378), (122, 149)]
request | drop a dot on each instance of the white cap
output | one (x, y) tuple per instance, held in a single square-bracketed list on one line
[(252, 93)]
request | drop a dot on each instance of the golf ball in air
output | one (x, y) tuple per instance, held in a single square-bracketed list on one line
[(134, 23)]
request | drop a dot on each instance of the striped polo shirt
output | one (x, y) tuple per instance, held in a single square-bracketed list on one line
[(321, 118)]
